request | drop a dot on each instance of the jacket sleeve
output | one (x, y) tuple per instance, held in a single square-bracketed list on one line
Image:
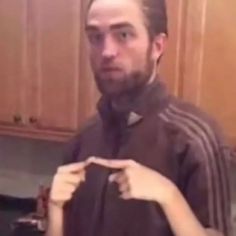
[(205, 183)]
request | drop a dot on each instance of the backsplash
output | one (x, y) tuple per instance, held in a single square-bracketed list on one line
[(26, 163)]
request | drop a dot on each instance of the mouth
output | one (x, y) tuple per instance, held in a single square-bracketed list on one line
[(111, 73), (111, 69)]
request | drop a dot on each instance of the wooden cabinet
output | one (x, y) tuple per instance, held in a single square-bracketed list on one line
[(199, 65), (13, 51), (44, 85), (54, 48), (171, 67), (210, 60)]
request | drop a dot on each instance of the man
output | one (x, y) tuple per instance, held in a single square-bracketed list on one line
[(147, 164)]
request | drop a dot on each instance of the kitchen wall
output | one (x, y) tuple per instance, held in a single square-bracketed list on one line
[(25, 164)]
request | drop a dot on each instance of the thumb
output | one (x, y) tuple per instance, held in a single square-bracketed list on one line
[(113, 164)]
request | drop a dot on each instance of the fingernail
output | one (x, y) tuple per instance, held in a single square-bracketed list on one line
[(111, 178), (91, 158), (83, 179)]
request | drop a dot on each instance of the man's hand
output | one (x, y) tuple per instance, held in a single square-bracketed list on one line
[(137, 181), (67, 179)]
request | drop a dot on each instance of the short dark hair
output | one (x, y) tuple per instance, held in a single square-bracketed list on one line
[(155, 14)]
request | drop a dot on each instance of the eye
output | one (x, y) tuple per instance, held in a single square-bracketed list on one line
[(124, 36), (95, 38)]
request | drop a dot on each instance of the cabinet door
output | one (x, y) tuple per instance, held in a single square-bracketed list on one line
[(54, 44), (210, 68), (172, 61), (13, 62)]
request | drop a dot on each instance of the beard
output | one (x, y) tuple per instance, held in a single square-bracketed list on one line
[(120, 84)]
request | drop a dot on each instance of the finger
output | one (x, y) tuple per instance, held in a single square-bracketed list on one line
[(114, 164), (74, 167), (66, 189), (126, 196), (62, 196), (83, 176), (123, 188), (118, 177), (74, 179)]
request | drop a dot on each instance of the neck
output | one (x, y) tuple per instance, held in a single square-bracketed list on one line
[(123, 102)]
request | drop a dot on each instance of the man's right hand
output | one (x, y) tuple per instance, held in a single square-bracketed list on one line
[(67, 179)]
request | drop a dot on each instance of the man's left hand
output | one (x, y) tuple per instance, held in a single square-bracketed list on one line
[(136, 181)]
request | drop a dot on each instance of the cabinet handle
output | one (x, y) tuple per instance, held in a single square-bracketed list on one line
[(33, 120), (17, 119)]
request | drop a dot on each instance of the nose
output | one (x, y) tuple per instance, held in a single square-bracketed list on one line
[(110, 49)]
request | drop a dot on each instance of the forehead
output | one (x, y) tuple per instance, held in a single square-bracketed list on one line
[(105, 13)]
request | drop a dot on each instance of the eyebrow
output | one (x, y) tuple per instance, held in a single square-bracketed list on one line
[(112, 27)]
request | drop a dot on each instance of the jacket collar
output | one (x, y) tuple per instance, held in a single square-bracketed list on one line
[(151, 98)]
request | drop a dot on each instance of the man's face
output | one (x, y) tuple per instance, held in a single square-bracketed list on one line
[(120, 49)]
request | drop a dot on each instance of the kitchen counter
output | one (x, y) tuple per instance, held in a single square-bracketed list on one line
[(11, 208)]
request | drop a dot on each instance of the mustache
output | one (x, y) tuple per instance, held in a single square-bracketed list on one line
[(110, 65), (110, 69)]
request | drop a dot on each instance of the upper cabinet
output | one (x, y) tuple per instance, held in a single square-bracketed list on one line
[(210, 60), (46, 91), (171, 66), (54, 72), (13, 50), (200, 63)]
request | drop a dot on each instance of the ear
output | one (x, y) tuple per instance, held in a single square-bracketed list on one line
[(158, 46)]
